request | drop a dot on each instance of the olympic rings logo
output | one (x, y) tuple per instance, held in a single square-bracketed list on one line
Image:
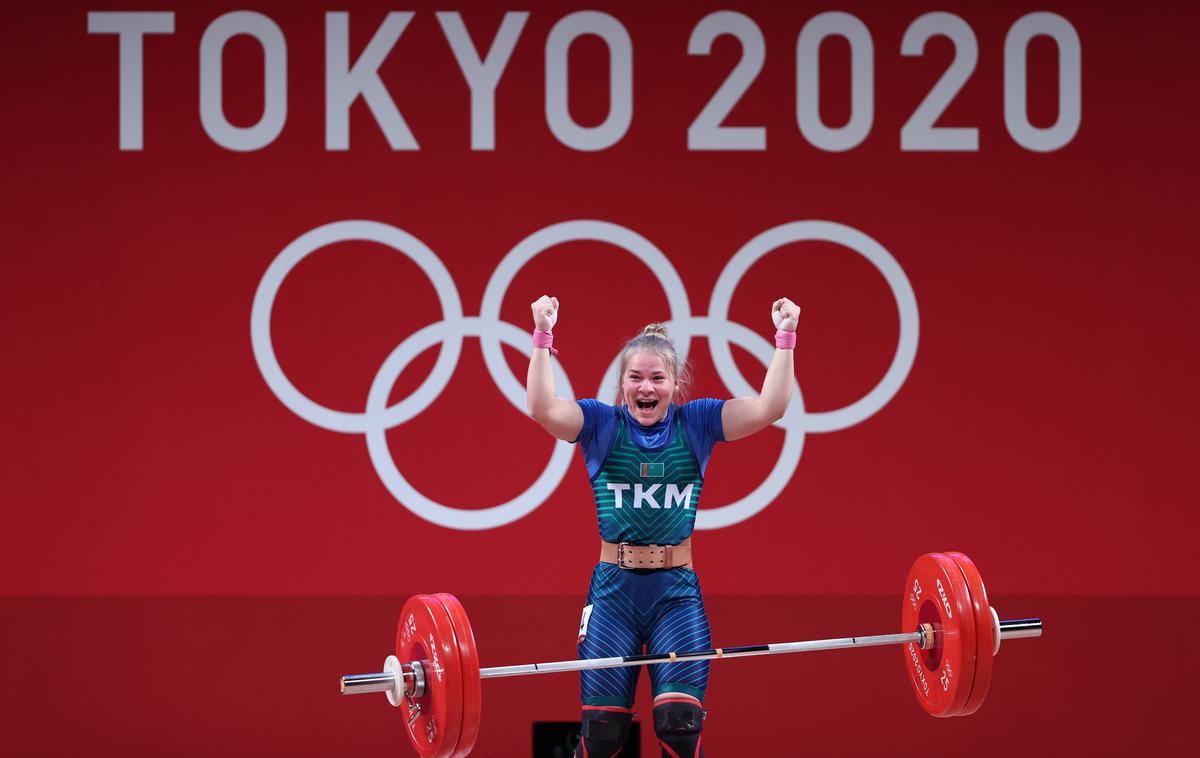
[(449, 333)]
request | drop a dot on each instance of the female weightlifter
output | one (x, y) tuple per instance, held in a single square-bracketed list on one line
[(646, 458)]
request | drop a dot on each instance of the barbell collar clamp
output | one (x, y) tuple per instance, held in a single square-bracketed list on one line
[(398, 680)]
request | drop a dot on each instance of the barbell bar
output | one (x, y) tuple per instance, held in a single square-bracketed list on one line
[(360, 684)]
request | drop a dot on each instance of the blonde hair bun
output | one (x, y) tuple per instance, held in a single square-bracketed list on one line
[(655, 330)]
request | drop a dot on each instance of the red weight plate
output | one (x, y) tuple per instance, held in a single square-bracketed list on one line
[(472, 689), (425, 633), (958, 595), (985, 636), (936, 593)]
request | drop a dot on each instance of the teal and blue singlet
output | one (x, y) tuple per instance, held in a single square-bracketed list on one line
[(646, 482)]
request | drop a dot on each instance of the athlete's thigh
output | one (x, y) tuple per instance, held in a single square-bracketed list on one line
[(680, 625), (610, 628)]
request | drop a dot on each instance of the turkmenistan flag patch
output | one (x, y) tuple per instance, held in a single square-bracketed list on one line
[(652, 470)]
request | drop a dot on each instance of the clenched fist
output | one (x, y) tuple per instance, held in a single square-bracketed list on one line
[(545, 312), (785, 314)]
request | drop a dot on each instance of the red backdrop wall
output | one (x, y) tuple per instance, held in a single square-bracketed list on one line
[(1011, 375)]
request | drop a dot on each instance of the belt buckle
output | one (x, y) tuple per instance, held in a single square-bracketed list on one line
[(621, 555)]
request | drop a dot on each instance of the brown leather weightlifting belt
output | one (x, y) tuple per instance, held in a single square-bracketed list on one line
[(647, 556)]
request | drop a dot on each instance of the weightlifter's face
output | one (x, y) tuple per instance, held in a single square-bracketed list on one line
[(647, 387)]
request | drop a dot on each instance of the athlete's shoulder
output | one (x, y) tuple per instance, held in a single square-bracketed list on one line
[(598, 409), (597, 415), (703, 416), (702, 406), (593, 405)]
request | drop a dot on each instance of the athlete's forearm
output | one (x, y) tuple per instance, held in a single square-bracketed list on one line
[(559, 416), (539, 384), (777, 385)]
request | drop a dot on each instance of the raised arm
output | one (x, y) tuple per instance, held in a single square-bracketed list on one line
[(744, 416), (559, 416)]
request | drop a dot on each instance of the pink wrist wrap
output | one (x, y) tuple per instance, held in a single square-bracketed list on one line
[(785, 340), (546, 339)]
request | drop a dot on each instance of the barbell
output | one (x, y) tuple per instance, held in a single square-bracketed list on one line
[(952, 636)]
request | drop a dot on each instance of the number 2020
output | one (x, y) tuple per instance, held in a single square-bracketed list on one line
[(918, 133)]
